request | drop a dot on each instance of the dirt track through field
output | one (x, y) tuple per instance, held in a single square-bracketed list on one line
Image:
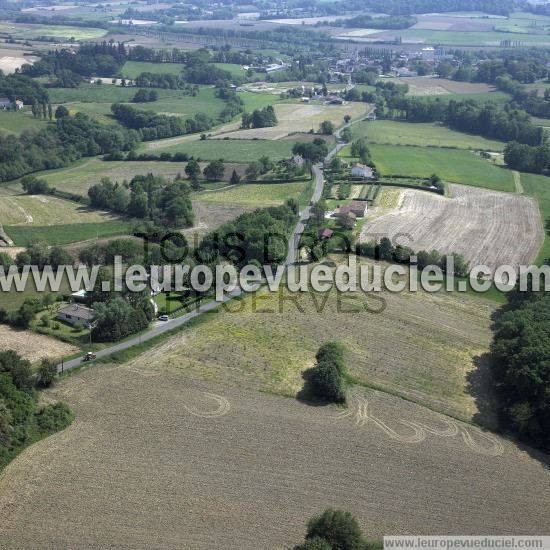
[(486, 227), (167, 462)]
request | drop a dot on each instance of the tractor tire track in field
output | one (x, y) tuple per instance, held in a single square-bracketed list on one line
[(223, 407), (360, 410), (155, 465), (517, 182)]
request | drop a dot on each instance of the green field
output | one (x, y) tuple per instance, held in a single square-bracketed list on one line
[(132, 69), (469, 38), (39, 210), (96, 93), (15, 122), (23, 30), (261, 194), (79, 177), (95, 100), (450, 164), (13, 300), (257, 100), (539, 187), (233, 68), (483, 97), (232, 150), (67, 233), (434, 135)]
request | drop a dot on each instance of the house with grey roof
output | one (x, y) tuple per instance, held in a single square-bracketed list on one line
[(76, 313)]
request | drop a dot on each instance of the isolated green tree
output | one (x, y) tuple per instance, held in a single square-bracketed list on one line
[(214, 170), (47, 373), (327, 127), (61, 112), (327, 380), (192, 169), (5, 260), (235, 178), (339, 529)]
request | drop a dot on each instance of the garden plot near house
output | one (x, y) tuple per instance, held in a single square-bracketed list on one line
[(487, 228), (300, 118)]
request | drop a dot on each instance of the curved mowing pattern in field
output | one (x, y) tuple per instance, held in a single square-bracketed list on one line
[(486, 227), (152, 474)]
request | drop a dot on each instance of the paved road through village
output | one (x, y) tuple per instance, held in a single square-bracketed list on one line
[(161, 328)]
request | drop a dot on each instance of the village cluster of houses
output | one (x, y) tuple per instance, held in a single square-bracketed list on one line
[(401, 63)]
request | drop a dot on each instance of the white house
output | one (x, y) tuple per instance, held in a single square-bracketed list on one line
[(362, 171), (6, 104)]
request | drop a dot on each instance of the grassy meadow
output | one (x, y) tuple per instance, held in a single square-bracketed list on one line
[(95, 100), (231, 150), (132, 69), (79, 177), (451, 165), (63, 234), (29, 31), (539, 187), (16, 122), (260, 195), (421, 134), (39, 210)]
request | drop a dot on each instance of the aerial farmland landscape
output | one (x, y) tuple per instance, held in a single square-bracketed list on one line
[(274, 274)]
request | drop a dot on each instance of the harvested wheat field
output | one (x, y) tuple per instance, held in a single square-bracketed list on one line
[(421, 85), (32, 346), (487, 227), (297, 118), (160, 461), (209, 216), (267, 340)]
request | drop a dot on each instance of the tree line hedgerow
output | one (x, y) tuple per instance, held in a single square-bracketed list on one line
[(146, 197), (23, 420), (520, 349)]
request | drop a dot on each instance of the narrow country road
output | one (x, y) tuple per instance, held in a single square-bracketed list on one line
[(167, 326)]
